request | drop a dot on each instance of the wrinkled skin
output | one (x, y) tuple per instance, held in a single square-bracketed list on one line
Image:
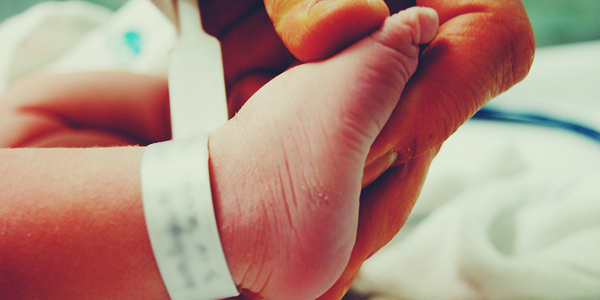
[(299, 147), (481, 49)]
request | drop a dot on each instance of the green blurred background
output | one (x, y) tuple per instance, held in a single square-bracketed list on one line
[(11, 7), (554, 21)]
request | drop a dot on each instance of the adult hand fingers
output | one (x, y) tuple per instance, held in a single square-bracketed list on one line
[(250, 46), (384, 207), (314, 30), (482, 48)]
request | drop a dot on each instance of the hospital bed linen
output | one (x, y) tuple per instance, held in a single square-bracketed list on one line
[(73, 36), (508, 211)]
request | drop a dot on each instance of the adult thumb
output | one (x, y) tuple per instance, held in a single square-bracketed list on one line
[(359, 88), (347, 99), (314, 30)]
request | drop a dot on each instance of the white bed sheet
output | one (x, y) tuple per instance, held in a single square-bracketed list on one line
[(508, 211), (73, 36)]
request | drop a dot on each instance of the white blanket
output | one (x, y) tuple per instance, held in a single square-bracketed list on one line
[(72, 36), (508, 211)]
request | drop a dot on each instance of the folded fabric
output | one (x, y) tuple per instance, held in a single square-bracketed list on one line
[(74, 36), (508, 211)]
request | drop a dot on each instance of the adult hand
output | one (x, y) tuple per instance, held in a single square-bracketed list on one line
[(482, 49)]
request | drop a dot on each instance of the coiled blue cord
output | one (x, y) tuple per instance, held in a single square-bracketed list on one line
[(492, 114)]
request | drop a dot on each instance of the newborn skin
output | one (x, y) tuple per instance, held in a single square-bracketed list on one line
[(287, 169), (286, 174)]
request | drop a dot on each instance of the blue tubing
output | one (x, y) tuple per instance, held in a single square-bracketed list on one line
[(490, 114)]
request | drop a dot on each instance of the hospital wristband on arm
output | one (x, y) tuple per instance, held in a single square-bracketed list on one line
[(181, 222)]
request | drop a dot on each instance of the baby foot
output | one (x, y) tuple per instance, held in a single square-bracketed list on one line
[(287, 169)]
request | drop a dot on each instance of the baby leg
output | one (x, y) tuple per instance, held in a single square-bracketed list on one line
[(287, 169)]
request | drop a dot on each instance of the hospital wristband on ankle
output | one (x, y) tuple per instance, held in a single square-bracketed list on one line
[(181, 223)]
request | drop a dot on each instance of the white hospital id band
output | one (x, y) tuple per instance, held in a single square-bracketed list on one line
[(181, 222)]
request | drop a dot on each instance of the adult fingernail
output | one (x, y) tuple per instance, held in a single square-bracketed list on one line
[(318, 29), (378, 167)]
